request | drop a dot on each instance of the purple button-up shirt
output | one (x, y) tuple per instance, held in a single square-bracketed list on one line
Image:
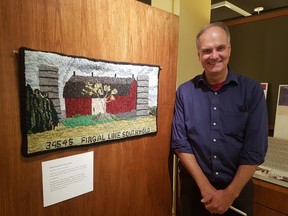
[(224, 128)]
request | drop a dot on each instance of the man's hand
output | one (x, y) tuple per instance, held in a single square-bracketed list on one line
[(218, 202)]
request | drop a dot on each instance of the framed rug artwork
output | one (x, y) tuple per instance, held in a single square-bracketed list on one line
[(70, 101)]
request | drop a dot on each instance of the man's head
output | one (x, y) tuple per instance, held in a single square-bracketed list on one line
[(214, 48)]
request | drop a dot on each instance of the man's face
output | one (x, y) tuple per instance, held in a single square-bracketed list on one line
[(214, 50)]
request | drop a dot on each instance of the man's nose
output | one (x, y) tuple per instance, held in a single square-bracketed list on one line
[(214, 54)]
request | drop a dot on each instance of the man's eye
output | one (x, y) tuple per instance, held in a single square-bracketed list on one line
[(206, 51), (221, 48)]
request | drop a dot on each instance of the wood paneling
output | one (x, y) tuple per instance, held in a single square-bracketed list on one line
[(260, 210), (259, 17), (270, 197), (131, 177)]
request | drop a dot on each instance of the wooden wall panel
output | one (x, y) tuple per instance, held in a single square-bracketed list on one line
[(131, 177), (260, 210), (271, 196)]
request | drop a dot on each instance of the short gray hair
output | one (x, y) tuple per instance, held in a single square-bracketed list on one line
[(218, 24)]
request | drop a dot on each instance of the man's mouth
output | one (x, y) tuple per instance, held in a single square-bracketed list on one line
[(213, 63)]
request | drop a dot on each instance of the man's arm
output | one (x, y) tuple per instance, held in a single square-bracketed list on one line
[(243, 175), (191, 165)]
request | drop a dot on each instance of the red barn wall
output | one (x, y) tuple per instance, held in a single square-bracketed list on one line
[(124, 103), (78, 106)]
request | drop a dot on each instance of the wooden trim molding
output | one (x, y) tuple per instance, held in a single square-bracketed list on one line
[(263, 16)]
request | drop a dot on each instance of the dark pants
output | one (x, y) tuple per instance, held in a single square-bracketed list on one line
[(190, 196)]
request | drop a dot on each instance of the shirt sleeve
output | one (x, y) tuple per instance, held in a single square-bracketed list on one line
[(179, 140), (256, 134)]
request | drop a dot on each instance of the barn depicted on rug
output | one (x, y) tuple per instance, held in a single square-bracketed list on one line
[(73, 101), (93, 95)]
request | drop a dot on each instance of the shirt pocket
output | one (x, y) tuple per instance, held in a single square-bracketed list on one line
[(234, 124)]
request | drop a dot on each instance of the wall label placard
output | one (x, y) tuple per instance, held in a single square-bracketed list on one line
[(67, 177)]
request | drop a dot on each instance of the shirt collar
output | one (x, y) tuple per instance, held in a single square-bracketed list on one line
[(231, 78)]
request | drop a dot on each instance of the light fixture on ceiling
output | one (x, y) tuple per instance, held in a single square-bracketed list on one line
[(258, 9), (230, 6)]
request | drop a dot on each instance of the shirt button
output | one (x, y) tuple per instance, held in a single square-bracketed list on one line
[(215, 93), (217, 173), (215, 108), (214, 140), (214, 123), (215, 156)]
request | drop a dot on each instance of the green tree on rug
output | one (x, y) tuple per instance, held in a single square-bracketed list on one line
[(40, 112)]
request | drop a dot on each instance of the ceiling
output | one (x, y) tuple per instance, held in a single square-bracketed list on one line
[(225, 10)]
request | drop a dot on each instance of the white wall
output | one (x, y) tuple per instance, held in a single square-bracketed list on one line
[(193, 15), (172, 6)]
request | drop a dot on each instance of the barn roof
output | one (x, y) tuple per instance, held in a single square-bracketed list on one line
[(74, 86)]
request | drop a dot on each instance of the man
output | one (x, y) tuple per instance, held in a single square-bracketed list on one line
[(219, 131)]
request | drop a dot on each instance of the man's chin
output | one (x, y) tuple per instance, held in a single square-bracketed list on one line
[(215, 69)]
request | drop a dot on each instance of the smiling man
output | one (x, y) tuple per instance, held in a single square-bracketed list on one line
[(219, 131), (214, 51)]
